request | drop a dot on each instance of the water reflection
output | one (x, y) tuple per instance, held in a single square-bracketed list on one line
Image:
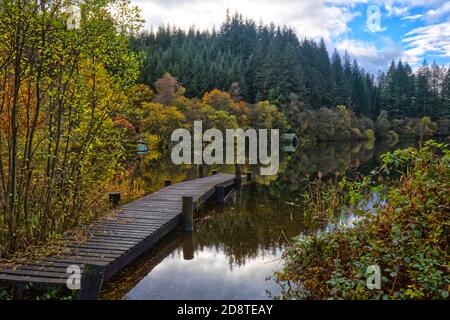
[(234, 249), (176, 278)]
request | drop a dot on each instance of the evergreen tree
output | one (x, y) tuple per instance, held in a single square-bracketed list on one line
[(422, 97), (338, 78), (271, 63), (445, 111)]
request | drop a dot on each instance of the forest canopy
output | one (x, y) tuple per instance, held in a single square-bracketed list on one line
[(271, 63)]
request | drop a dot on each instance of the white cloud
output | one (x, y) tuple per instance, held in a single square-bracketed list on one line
[(310, 18), (369, 56), (414, 17), (396, 11), (437, 13), (431, 40), (432, 15), (357, 48)]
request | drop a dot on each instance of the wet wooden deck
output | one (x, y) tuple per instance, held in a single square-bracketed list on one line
[(114, 243)]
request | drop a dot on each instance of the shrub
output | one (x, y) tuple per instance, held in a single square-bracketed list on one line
[(444, 127), (356, 134), (362, 123), (383, 124), (406, 234), (332, 124), (425, 127), (391, 135), (369, 135)]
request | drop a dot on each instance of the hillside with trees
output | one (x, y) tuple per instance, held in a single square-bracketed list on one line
[(271, 63)]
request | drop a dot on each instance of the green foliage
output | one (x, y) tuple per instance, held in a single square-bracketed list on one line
[(161, 120), (4, 294), (369, 134), (222, 120), (217, 109), (61, 91), (404, 94), (51, 293), (444, 127), (407, 127), (391, 135), (267, 116), (328, 124), (406, 233), (269, 63)]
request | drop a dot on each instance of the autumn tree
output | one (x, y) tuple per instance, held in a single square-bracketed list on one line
[(166, 90), (267, 116), (161, 121), (60, 91)]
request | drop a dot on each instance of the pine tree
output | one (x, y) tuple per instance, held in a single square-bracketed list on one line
[(445, 108), (348, 79), (338, 79), (422, 98)]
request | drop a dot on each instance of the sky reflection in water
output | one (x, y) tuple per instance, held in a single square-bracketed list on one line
[(176, 278)]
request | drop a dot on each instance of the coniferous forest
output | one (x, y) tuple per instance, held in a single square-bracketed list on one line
[(271, 63)]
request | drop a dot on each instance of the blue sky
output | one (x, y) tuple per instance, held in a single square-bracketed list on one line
[(410, 30)]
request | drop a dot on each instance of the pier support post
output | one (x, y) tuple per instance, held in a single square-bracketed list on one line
[(220, 193), (187, 214), (201, 171), (188, 247), (238, 176), (249, 177), (114, 199), (91, 282), (167, 182)]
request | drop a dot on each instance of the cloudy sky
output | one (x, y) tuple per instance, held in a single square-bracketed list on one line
[(412, 30)]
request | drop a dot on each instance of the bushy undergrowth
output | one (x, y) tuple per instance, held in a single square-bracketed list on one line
[(406, 234)]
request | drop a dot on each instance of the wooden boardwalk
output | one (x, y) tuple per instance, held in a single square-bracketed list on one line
[(113, 244)]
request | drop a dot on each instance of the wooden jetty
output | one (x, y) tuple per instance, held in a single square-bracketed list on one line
[(113, 244)]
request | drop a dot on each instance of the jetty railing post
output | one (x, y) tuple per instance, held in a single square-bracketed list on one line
[(238, 177), (187, 214), (114, 199), (91, 282), (167, 182), (220, 193)]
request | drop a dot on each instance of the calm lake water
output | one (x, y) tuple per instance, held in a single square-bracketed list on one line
[(234, 249)]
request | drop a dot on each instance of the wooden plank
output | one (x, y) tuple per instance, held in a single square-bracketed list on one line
[(35, 273), (119, 235), (114, 243), (44, 268), (104, 247), (127, 229), (28, 279), (112, 240)]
